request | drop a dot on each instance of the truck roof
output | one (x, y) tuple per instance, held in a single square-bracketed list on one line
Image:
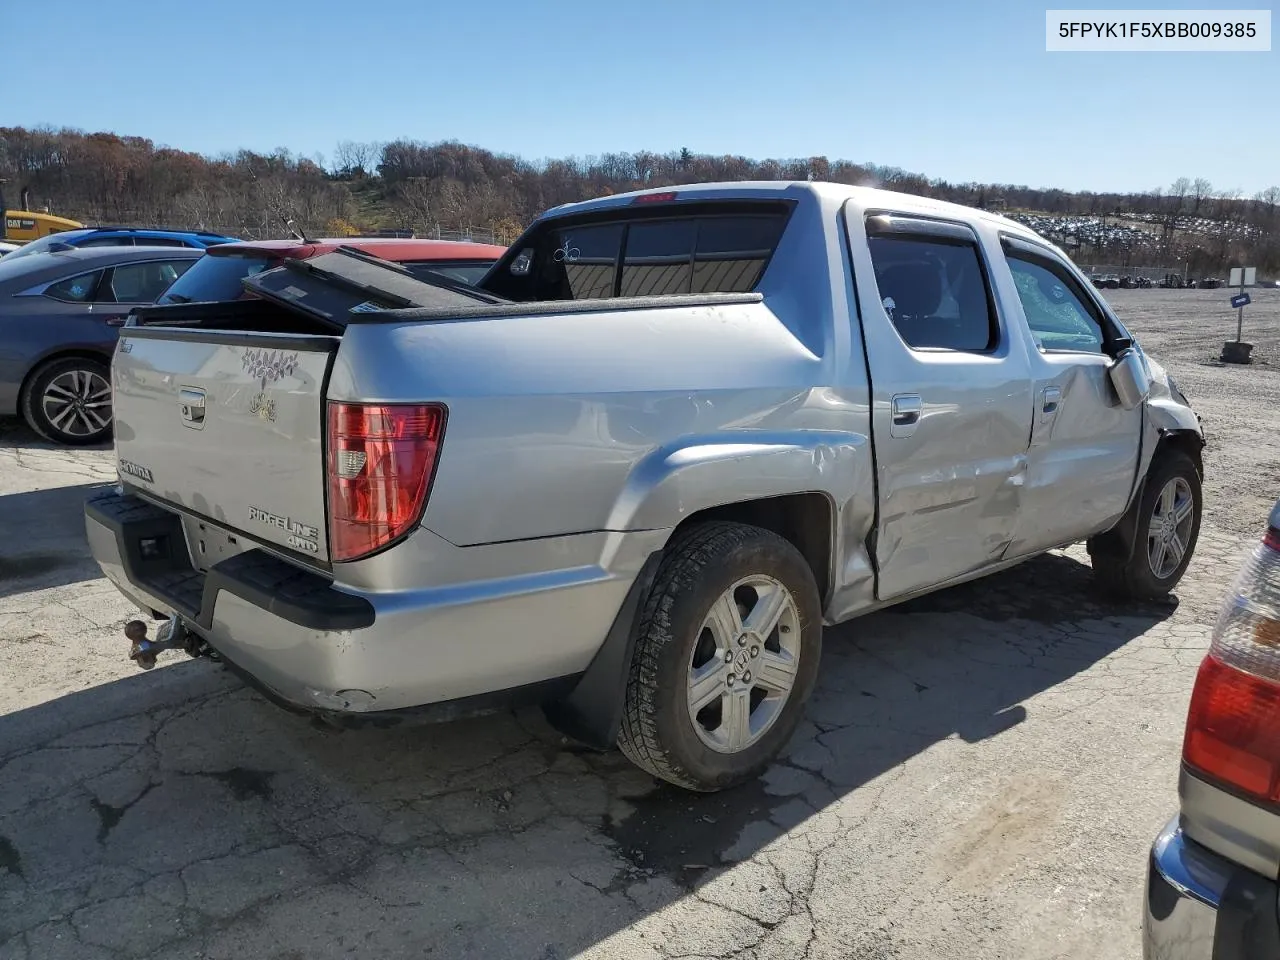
[(822, 191)]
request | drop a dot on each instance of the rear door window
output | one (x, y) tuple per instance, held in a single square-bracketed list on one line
[(77, 289), (934, 291), (142, 282)]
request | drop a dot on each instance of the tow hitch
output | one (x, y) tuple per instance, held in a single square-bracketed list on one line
[(171, 635)]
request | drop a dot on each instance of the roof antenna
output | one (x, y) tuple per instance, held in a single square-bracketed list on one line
[(294, 230)]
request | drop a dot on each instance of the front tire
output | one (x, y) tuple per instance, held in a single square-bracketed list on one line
[(1165, 533), (726, 656), (68, 401)]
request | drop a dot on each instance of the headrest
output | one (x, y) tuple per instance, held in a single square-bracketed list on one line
[(915, 287)]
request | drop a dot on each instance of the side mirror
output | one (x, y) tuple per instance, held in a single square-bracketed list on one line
[(1130, 378)]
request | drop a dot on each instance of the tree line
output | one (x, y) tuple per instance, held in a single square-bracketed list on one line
[(449, 187)]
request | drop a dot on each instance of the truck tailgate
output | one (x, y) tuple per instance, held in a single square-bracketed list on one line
[(229, 426)]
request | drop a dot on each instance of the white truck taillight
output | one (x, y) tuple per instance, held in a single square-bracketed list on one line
[(382, 459), (1233, 724)]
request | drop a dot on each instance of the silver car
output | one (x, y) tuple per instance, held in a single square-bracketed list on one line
[(1211, 885)]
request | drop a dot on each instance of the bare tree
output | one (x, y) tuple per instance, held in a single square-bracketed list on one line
[(356, 159)]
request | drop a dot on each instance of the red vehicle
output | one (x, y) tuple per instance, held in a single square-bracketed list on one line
[(218, 274)]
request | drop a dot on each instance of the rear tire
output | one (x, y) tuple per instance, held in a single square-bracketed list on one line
[(68, 401), (1165, 533), (726, 655)]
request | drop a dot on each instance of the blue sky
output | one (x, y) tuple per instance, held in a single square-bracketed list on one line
[(960, 90)]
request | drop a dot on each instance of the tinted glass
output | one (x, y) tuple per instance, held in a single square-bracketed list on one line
[(107, 242), (935, 292), (77, 289), (212, 279), (700, 251), (1056, 313), (144, 282), (659, 258), (586, 257), (737, 235), (161, 242)]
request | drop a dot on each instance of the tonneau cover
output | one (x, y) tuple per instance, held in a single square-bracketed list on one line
[(333, 285)]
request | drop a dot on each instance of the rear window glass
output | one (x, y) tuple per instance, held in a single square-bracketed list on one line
[(213, 278), (653, 256), (470, 273)]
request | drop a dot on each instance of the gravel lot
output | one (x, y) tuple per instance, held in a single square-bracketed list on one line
[(980, 774)]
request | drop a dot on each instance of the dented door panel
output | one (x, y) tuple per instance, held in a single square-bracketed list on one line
[(949, 478), (1083, 458)]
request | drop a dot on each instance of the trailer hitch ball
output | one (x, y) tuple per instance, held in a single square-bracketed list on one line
[(141, 650)]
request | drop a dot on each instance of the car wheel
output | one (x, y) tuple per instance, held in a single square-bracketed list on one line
[(68, 401), (1165, 534), (726, 655)]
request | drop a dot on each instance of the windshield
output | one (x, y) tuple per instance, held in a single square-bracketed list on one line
[(216, 278), (37, 246)]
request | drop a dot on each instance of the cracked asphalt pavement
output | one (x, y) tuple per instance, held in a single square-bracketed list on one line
[(979, 774)]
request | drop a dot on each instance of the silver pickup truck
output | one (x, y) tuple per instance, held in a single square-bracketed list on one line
[(632, 475)]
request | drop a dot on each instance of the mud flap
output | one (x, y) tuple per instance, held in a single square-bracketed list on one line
[(592, 712)]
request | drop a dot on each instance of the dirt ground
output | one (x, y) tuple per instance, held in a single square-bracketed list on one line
[(980, 773)]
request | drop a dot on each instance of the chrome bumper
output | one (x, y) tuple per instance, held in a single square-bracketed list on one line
[(1201, 906)]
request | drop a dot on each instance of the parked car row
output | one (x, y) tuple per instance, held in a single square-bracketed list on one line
[(63, 299), (1112, 281)]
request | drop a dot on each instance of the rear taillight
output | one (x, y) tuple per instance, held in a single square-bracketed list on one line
[(1233, 724), (382, 458)]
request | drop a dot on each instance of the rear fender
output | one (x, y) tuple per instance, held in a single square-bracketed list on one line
[(678, 480)]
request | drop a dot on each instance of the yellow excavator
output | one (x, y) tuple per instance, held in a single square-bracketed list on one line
[(25, 225)]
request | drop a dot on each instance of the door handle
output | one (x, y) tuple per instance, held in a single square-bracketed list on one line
[(192, 402), (1050, 398), (116, 321), (906, 408)]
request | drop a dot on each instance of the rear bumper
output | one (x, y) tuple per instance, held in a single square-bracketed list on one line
[(1202, 906), (325, 647)]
